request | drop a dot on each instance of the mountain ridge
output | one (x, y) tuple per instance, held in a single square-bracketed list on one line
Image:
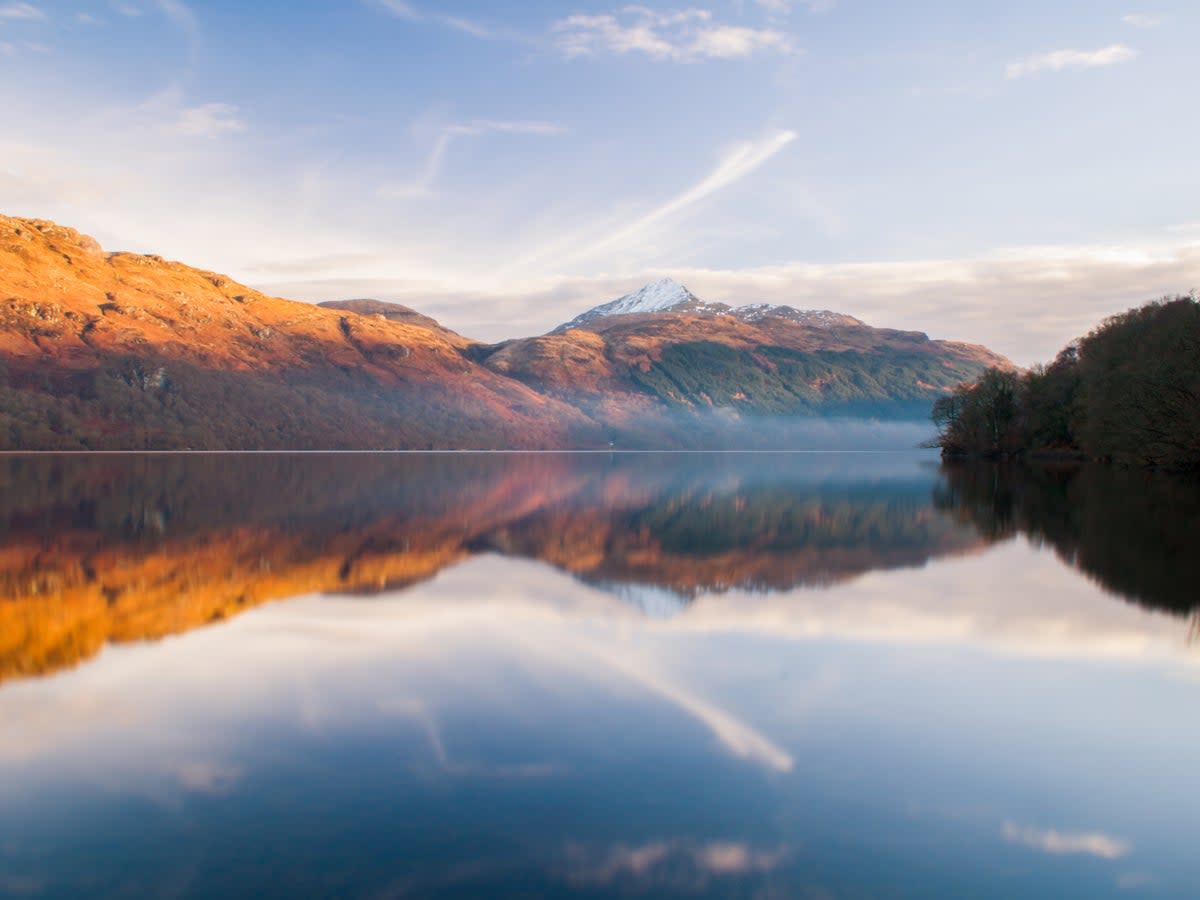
[(124, 351)]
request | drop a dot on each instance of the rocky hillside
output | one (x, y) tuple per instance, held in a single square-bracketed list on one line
[(117, 350), (123, 351)]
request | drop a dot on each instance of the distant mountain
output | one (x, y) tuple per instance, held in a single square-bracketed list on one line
[(393, 312), (662, 352), (123, 351), (669, 296)]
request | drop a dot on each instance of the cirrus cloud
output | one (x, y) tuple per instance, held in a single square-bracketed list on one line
[(1058, 60), (26, 11), (683, 36)]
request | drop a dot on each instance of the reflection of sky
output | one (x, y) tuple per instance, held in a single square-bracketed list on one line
[(992, 721)]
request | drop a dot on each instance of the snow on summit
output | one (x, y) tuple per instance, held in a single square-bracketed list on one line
[(668, 295), (658, 296), (654, 297)]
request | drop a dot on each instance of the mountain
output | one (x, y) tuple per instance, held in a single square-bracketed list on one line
[(123, 351), (394, 312), (669, 296), (106, 350), (662, 352)]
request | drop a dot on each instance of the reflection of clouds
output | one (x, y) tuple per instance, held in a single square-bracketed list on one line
[(677, 863), (437, 746), (739, 738), (207, 776), (1128, 881), (504, 635), (1063, 842), (1010, 599)]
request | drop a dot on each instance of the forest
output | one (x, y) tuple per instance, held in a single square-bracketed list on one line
[(1128, 392)]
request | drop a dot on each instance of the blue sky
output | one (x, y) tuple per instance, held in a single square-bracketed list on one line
[(1001, 173)]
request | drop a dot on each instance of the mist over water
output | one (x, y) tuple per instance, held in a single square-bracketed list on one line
[(510, 675)]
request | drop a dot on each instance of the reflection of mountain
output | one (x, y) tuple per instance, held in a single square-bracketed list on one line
[(1136, 532), (99, 549)]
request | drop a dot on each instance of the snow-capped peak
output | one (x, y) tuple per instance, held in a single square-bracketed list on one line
[(668, 295), (658, 296), (654, 297)]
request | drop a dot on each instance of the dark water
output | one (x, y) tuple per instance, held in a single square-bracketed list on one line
[(737, 675)]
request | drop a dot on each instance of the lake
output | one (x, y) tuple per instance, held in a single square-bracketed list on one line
[(808, 675)]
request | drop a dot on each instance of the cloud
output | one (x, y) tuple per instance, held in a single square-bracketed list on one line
[(1071, 59), (447, 135), (1025, 302), (22, 11), (684, 36), (167, 114), (783, 7), (404, 10), (179, 13), (1141, 20), (1060, 842), (209, 120), (739, 162)]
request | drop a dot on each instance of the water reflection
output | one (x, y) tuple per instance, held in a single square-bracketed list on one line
[(124, 548), (850, 685), (1136, 532)]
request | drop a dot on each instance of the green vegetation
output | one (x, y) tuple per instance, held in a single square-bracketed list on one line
[(783, 381), (1129, 392)]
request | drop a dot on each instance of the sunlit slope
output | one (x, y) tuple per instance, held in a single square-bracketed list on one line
[(118, 350)]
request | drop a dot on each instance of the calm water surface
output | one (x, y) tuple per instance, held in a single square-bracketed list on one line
[(804, 675)]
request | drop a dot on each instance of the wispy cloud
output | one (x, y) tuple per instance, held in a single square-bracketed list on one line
[(1142, 20), (783, 7), (1064, 842), (25, 11), (405, 10), (180, 14), (450, 133), (1058, 60), (686, 36), (208, 120), (741, 161)]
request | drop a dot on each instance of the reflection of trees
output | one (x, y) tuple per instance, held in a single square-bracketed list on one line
[(1136, 532), (120, 548)]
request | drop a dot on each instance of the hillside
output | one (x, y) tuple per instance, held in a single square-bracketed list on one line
[(124, 351), (664, 349), (117, 350)]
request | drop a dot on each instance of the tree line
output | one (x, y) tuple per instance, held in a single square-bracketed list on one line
[(1128, 392)]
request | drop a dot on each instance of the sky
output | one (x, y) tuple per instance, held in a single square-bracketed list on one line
[(1006, 174)]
